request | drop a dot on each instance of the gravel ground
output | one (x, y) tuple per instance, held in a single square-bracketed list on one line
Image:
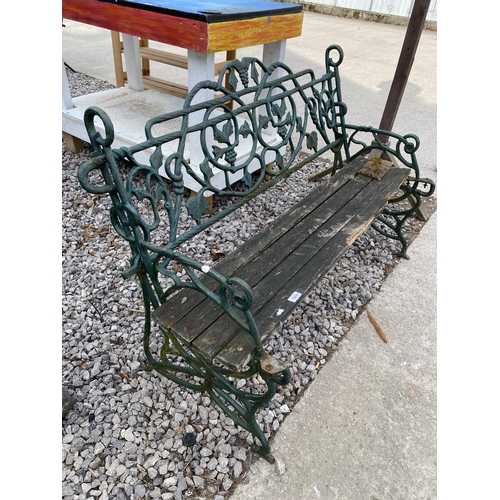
[(123, 437)]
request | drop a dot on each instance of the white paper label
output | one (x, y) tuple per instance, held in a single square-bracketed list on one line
[(295, 296)]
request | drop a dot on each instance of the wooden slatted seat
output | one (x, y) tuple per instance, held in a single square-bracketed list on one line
[(282, 264)]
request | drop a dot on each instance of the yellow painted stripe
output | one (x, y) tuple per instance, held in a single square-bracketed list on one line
[(246, 33)]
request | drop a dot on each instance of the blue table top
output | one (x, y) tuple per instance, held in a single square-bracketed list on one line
[(213, 10)]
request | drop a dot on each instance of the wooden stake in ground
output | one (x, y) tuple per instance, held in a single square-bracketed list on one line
[(379, 330)]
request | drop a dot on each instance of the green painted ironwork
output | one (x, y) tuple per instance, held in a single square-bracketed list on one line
[(276, 118)]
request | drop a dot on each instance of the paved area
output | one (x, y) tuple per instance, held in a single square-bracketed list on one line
[(366, 427)]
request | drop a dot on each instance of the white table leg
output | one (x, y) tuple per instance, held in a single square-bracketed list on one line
[(200, 68), (67, 103), (274, 52), (73, 143), (133, 64)]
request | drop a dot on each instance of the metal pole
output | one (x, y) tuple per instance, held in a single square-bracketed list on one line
[(408, 51)]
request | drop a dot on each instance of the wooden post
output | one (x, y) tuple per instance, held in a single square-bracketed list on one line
[(408, 51), (116, 43), (74, 144), (230, 56)]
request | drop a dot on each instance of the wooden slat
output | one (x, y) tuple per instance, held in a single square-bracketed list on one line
[(280, 278), (239, 349), (175, 89), (294, 252), (281, 258), (179, 305), (164, 57)]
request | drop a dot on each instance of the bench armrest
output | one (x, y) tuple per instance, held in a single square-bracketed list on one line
[(404, 148), (233, 295)]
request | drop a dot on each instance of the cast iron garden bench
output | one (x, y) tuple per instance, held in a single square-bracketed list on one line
[(265, 125)]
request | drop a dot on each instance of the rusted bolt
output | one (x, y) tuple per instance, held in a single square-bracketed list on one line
[(269, 367), (171, 310), (191, 326), (213, 337)]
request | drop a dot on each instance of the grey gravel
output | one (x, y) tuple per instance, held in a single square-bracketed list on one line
[(123, 437)]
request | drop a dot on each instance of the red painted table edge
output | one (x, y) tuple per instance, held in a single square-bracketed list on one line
[(177, 31)]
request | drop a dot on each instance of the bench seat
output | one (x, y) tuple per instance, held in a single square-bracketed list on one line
[(278, 263)]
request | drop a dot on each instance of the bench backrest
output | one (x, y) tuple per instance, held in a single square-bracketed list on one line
[(260, 125)]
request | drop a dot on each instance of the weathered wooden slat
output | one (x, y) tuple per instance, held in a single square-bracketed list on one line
[(268, 273), (278, 281), (289, 257), (180, 304), (239, 350), (260, 265)]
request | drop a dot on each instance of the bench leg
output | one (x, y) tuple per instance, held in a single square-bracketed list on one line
[(196, 373), (420, 212), (392, 219)]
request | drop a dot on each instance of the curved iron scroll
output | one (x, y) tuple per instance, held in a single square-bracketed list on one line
[(177, 361), (198, 374), (401, 150)]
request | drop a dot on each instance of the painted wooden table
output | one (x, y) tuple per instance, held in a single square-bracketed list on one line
[(203, 27)]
